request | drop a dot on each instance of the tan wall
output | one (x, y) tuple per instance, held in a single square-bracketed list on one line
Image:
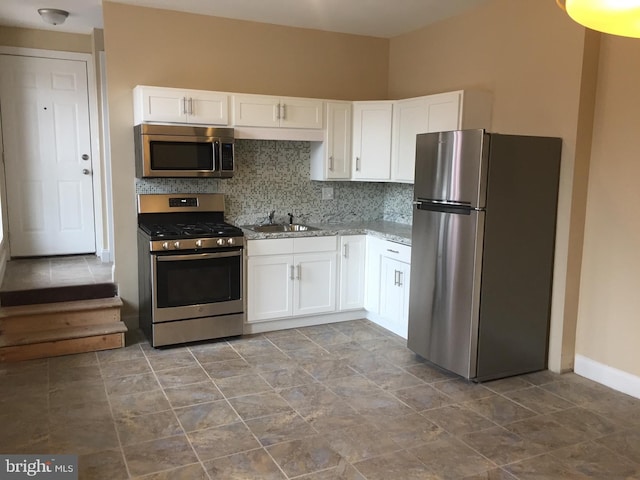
[(536, 82), (608, 327), (157, 47), (45, 39)]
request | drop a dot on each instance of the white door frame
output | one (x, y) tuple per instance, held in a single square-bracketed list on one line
[(96, 158)]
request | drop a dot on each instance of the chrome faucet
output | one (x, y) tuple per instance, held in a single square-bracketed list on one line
[(290, 218), (271, 215)]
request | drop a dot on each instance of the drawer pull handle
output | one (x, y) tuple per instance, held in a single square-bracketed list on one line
[(392, 251)]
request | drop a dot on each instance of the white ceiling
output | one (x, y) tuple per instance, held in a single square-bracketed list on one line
[(379, 18)]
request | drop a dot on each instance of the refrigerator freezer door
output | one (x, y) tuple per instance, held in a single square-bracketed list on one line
[(452, 166), (444, 300)]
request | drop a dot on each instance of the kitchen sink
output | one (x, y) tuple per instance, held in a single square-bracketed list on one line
[(281, 227)]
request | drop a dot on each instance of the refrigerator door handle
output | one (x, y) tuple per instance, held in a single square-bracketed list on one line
[(446, 207)]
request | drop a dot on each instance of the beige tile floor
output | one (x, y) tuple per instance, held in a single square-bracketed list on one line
[(341, 401), (28, 273)]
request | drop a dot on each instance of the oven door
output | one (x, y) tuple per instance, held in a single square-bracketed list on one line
[(180, 156), (198, 284)]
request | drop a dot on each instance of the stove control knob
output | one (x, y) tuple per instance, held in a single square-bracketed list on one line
[(230, 241), (220, 241), (176, 245), (199, 243), (165, 245)]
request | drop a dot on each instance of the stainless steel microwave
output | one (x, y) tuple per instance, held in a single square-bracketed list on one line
[(183, 151)]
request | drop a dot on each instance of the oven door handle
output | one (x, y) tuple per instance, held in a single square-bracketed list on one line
[(197, 256)]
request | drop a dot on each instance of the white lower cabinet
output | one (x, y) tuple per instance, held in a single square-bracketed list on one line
[(291, 277), (387, 284), (352, 272), (394, 295), (314, 287), (269, 287)]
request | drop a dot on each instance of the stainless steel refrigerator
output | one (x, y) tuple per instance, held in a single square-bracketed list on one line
[(482, 250)]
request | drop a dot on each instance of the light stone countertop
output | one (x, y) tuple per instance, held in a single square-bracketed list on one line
[(394, 232)]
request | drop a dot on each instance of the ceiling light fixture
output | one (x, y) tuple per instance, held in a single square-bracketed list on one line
[(53, 15), (617, 17)]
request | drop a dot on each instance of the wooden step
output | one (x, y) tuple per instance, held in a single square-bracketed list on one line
[(57, 334), (60, 328), (50, 316), (67, 293), (53, 343)]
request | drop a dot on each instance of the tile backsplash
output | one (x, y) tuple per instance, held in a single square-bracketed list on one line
[(274, 175)]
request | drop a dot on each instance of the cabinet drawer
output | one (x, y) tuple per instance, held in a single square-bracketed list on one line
[(272, 246), (398, 251), (315, 244)]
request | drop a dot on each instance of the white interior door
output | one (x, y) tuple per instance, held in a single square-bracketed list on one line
[(47, 152)]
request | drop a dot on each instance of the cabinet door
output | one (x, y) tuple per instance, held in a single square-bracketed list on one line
[(375, 247), (301, 113), (314, 288), (371, 140), (352, 271), (207, 108), (394, 295), (157, 104), (443, 112), (338, 140), (410, 117), (269, 287), (256, 111)]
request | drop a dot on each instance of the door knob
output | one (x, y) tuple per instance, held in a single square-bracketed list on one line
[(86, 171), (85, 156)]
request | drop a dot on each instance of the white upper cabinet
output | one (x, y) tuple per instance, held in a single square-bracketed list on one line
[(174, 105), (277, 112), (331, 159), (371, 136), (433, 113)]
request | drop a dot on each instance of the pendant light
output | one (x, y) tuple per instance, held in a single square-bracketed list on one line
[(617, 17)]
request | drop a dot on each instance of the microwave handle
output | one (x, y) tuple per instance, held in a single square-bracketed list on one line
[(217, 156)]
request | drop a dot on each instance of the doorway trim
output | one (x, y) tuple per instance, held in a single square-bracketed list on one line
[(102, 250)]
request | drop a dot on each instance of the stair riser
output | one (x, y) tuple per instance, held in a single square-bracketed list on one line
[(61, 347), (11, 326)]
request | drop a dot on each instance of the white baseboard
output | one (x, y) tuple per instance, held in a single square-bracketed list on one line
[(299, 322), (611, 377), (3, 260), (105, 256)]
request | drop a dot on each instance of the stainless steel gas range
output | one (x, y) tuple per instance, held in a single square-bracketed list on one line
[(190, 269)]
